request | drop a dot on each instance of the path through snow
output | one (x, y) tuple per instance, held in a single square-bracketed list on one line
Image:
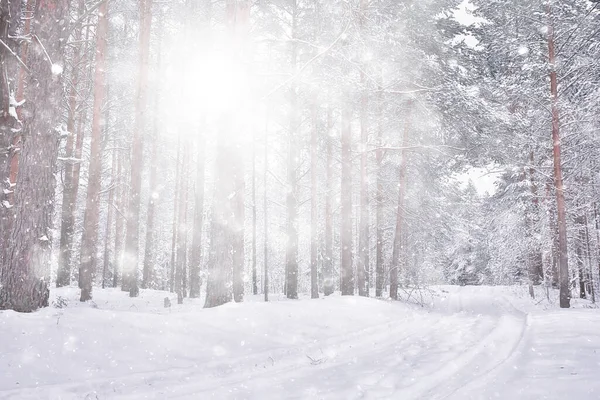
[(472, 343)]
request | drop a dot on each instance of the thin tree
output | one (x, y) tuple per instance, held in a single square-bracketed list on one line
[(563, 266), (130, 263), (89, 251), (398, 251), (347, 273)]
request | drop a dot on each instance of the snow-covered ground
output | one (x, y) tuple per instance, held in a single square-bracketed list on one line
[(464, 343)]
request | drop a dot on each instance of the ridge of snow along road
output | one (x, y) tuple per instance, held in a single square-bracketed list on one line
[(468, 343)]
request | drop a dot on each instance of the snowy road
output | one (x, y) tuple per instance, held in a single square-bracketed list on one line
[(473, 343)]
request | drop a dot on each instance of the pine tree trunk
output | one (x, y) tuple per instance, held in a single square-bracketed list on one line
[(119, 219), (536, 258), (379, 272), (563, 266), (63, 275), (398, 251), (254, 272), (175, 222), (29, 254), (182, 228), (196, 258), (328, 282), (362, 269), (314, 285), (266, 212), (148, 270), (291, 256), (89, 251), (347, 274), (130, 263), (109, 220)]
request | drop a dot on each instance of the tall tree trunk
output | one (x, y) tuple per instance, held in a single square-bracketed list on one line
[(328, 283), (109, 217), (291, 255), (119, 220), (314, 284), (182, 227), (175, 222), (148, 270), (362, 269), (89, 251), (563, 266), (254, 272), (9, 21), (196, 257), (29, 254), (379, 272), (398, 251), (63, 275), (130, 265), (226, 256), (347, 274), (266, 211), (581, 275), (536, 262), (588, 252)]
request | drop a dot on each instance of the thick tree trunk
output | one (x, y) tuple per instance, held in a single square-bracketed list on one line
[(220, 265), (347, 274), (29, 254), (89, 251), (148, 270), (398, 251), (130, 263), (563, 266)]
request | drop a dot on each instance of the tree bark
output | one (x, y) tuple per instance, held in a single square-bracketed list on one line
[(379, 272), (563, 266), (347, 274), (29, 254), (266, 211), (182, 228), (63, 275), (130, 263), (328, 283), (362, 269), (196, 257), (291, 255), (89, 251), (398, 251), (314, 284), (148, 270)]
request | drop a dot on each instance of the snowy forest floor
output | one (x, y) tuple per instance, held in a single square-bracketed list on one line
[(464, 343)]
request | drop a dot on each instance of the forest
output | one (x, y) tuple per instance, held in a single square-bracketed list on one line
[(299, 199), (304, 147)]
